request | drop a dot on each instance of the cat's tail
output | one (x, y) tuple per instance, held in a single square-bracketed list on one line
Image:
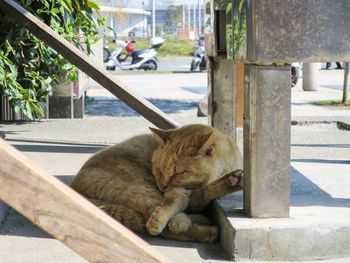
[(128, 217)]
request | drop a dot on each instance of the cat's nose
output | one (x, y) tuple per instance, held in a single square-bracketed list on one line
[(162, 186)]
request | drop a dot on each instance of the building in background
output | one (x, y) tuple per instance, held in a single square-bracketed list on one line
[(178, 17), (126, 16), (183, 18)]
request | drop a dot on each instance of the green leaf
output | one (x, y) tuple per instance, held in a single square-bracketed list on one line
[(67, 4), (38, 111), (67, 66), (93, 5), (28, 110), (55, 10)]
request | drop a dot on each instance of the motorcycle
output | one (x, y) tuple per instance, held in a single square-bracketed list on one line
[(106, 54), (140, 59), (199, 60), (295, 68), (129, 48)]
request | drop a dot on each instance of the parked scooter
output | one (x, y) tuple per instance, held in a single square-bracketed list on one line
[(199, 60), (140, 59), (129, 48), (106, 54)]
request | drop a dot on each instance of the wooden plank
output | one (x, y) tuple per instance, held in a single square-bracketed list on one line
[(86, 64), (65, 214)]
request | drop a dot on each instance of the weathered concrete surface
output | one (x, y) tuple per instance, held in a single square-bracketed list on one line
[(267, 141), (61, 107), (308, 31), (319, 226), (222, 95)]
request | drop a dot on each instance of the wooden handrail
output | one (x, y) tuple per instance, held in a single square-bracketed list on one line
[(84, 63), (66, 215)]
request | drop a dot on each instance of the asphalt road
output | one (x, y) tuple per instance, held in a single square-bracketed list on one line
[(331, 78), (174, 63), (169, 64)]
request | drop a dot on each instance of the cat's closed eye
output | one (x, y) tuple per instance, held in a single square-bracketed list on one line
[(179, 169), (210, 150)]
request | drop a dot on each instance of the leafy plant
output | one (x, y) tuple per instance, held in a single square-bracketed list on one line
[(28, 67)]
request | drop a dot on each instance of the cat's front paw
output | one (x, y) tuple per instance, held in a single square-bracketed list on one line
[(212, 235), (179, 223), (155, 224), (236, 178)]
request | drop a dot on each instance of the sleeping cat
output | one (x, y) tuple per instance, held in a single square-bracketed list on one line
[(149, 181)]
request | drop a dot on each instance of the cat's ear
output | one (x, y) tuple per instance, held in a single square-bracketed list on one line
[(205, 144), (161, 135)]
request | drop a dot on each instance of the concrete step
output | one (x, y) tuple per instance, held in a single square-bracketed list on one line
[(293, 239), (318, 227)]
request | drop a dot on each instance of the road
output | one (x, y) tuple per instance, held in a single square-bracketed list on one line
[(177, 64), (327, 78), (174, 63), (174, 89), (171, 92), (331, 79)]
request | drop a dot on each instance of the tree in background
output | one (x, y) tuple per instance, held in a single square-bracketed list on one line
[(174, 18), (28, 66)]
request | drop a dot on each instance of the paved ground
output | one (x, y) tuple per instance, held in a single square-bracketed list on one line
[(320, 159), (169, 64)]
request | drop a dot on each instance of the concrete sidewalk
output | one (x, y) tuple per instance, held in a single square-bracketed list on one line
[(320, 177), (186, 88)]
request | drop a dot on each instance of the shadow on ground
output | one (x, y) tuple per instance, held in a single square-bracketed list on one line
[(17, 225), (205, 251), (55, 147), (304, 192), (119, 108)]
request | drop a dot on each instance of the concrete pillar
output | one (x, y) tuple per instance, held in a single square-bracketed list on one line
[(267, 117), (79, 107), (61, 101), (239, 93), (222, 95), (310, 76)]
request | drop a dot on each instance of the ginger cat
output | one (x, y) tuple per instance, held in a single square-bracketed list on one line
[(147, 182)]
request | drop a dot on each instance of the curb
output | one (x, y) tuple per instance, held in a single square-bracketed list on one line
[(227, 232), (342, 122), (296, 120)]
